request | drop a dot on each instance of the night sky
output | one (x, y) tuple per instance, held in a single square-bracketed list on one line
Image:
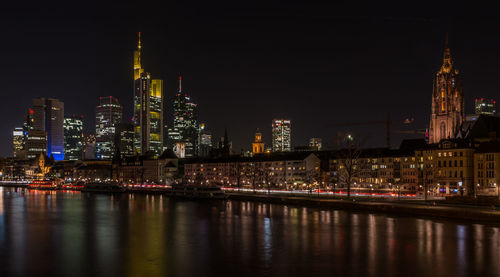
[(245, 64)]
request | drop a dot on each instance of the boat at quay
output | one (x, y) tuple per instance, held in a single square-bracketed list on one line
[(196, 191), (181, 190), (43, 185), (103, 187)]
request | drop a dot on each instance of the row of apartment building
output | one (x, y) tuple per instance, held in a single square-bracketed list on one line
[(454, 166), (468, 164)]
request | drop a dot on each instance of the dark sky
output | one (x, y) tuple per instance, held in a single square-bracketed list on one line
[(245, 62)]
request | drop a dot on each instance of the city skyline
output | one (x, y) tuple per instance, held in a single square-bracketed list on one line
[(418, 51)]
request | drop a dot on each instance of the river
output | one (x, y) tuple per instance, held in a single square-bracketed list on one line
[(81, 234)]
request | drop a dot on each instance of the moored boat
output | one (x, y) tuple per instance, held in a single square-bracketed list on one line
[(196, 191), (43, 185), (103, 187)]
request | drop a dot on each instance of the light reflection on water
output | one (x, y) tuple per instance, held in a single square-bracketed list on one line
[(74, 234)]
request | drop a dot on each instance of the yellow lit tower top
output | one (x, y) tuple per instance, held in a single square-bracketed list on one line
[(138, 70)]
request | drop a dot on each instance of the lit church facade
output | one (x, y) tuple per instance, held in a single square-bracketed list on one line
[(447, 114)]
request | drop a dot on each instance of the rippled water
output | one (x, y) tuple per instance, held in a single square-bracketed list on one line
[(75, 234)]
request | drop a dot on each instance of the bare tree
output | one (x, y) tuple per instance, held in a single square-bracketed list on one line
[(311, 177), (350, 163)]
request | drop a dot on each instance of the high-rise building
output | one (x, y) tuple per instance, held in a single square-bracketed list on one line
[(108, 117), (185, 128), (126, 131), (36, 143), (89, 146), (485, 106), (282, 135), (148, 109), (448, 113), (18, 143), (205, 141), (73, 138), (258, 144), (315, 143), (48, 116)]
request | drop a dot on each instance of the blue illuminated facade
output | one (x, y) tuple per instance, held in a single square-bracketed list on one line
[(48, 116)]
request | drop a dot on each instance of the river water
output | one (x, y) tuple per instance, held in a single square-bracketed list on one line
[(81, 234)]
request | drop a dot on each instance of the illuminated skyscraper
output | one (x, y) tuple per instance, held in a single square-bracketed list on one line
[(185, 129), (18, 142), (282, 135), (315, 143), (485, 106), (108, 117), (48, 116), (73, 138), (205, 142), (148, 109), (89, 146), (126, 131), (36, 143)]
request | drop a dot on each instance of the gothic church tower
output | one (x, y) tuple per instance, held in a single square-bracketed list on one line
[(447, 114)]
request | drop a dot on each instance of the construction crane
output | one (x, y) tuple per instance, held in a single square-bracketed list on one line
[(388, 123)]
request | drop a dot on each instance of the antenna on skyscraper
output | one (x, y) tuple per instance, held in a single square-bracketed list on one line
[(180, 83)]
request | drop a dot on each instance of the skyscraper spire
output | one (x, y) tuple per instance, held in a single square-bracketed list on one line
[(139, 44), (137, 60), (180, 83)]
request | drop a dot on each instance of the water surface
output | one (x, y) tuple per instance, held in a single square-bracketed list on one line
[(81, 234)]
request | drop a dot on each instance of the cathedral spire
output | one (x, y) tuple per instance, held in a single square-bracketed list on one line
[(447, 63)]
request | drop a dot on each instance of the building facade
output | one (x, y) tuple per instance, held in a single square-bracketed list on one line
[(485, 106), (447, 112), (315, 143), (206, 143), (126, 131), (73, 138), (48, 116), (280, 170), (36, 144), (89, 142), (185, 130), (148, 109), (487, 168), (282, 135), (18, 143), (107, 119), (257, 144)]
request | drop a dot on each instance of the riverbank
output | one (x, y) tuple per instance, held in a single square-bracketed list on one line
[(469, 213)]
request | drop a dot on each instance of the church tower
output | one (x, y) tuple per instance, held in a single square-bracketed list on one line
[(258, 144), (447, 113)]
